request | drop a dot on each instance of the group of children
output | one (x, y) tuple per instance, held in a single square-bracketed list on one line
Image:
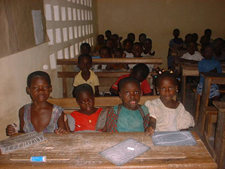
[(208, 55), (163, 114)]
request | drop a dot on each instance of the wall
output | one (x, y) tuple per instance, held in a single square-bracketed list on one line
[(15, 68), (158, 18)]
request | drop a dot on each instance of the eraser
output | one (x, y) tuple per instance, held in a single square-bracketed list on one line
[(38, 159), (130, 148)]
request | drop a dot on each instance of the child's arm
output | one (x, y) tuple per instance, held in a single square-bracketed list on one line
[(61, 125), (151, 127), (21, 115), (96, 91)]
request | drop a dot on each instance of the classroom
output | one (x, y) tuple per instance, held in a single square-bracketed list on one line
[(69, 23)]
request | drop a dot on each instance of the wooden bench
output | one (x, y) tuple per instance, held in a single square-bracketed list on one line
[(70, 104), (105, 76)]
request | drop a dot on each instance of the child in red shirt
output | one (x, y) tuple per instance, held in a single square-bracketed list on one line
[(140, 72), (87, 116)]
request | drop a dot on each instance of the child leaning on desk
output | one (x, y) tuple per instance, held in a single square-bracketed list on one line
[(209, 64), (128, 116), (40, 115), (166, 114), (87, 116)]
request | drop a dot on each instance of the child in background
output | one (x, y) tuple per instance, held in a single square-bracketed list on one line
[(118, 53), (140, 72), (192, 55), (87, 116), (209, 64), (142, 38), (208, 33), (40, 115), (128, 116), (127, 45), (110, 44), (116, 41), (86, 75), (219, 54), (148, 48), (204, 41), (100, 43), (85, 49), (104, 52), (131, 36), (166, 114), (136, 51), (174, 44), (108, 35)]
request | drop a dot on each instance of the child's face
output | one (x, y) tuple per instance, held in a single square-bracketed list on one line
[(104, 53), (100, 40), (110, 43), (130, 95), (39, 89), (167, 89), (208, 53), (137, 50), (131, 37), (85, 50), (85, 64), (128, 47), (191, 48), (148, 45), (142, 39), (118, 54), (86, 101)]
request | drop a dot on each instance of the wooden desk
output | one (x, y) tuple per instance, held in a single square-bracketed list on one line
[(150, 60), (82, 151), (219, 140), (209, 78), (188, 69)]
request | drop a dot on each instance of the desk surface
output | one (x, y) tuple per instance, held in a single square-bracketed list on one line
[(82, 151)]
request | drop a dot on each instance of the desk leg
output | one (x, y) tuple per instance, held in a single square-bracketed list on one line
[(203, 104), (64, 88), (183, 89), (220, 140)]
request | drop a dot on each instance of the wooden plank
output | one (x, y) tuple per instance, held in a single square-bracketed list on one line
[(70, 103), (102, 74), (220, 134), (82, 150), (151, 60)]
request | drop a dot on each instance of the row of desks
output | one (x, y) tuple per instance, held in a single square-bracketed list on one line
[(81, 150), (64, 74)]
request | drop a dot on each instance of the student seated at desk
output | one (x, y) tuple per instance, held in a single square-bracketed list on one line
[(140, 72), (87, 116), (118, 53), (100, 43), (136, 51), (166, 114), (142, 38), (131, 36), (40, 115), (192, 55), (86, 75), (128, 116), (219, 54), (127, 45), (104, 52), (148, 52), (209, 64)]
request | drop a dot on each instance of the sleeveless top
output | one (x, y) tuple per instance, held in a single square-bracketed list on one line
[(28, 126)]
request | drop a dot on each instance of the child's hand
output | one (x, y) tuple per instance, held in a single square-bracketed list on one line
[(11, 129), (149, 131), (60, 131)]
